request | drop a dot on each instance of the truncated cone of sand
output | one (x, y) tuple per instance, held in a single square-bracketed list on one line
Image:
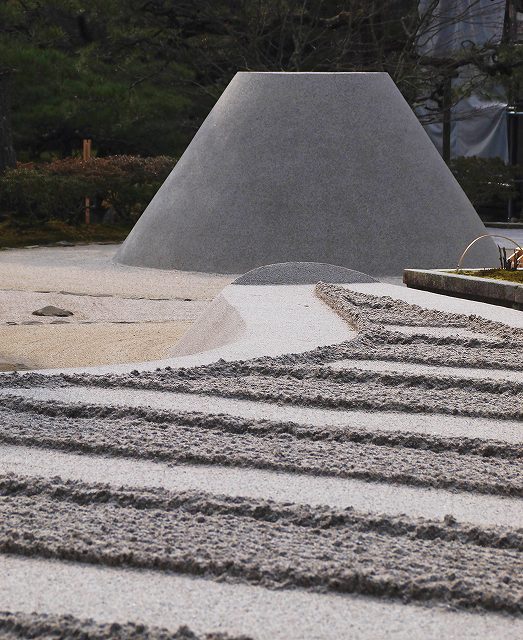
[(317, 167)]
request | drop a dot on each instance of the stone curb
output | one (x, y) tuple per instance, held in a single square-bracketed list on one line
[(504, 225), (506, 294)]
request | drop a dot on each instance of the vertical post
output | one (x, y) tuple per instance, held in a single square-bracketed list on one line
[(447, 104), (86, 155), (513, 111), (512, 126)]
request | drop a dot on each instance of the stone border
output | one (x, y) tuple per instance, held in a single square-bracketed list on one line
[(504, 225), (506, 294)]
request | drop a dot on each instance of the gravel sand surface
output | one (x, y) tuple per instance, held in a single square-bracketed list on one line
[(319, 494), (90, 270), (416, 368), (378, 497), (465, 465), (18, 306), (69, 345), (384, 421), (84, 280), (300, 385), (167, 599), (261, 543), (34, 625)]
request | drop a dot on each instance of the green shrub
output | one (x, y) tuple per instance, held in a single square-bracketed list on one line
[(32, 196), (485, 180), (35, 193)]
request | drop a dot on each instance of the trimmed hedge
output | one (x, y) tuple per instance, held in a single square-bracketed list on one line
[(35, 193)]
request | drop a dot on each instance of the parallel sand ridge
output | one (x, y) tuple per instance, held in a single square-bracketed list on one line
[(371, 555)]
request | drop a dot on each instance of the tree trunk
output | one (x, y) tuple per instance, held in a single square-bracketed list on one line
[(7, 152), (447, 117)]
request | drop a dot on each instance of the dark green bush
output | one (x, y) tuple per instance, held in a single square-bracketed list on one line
[(31, 196), (36, 193), (485, 180)]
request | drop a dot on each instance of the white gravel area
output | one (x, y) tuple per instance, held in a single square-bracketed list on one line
[(515, 234), (103, 296), (461, 558), (51, 346), (433, 424), (90, 270), (18, 306), (376, 497), (441, 332), (424, 369), (447, 304)]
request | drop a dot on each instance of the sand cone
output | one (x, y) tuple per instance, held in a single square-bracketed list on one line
[(318, 167)]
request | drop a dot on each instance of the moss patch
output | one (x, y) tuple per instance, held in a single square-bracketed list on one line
[(495, 274), (15, 235)]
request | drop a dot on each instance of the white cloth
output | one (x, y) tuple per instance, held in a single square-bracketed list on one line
[(479, 121)]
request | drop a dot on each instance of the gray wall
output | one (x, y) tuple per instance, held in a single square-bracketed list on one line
[(317, 167)]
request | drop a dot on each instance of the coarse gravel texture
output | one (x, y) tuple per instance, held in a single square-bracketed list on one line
[(261, 543), (459, 463), (301, 273), (67, 344), (427, 562), (29, 626), (90, 270), (294, 381), (17, 307), (302, 379)]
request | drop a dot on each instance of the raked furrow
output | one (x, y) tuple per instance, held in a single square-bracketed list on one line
[(440, 371), (481, 430), (484, 510), (34, 626), (383, 470), (332, 390), (263, 544), (221, 440), (236, 418)]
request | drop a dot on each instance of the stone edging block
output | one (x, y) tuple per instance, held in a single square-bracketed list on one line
[(507, 294)]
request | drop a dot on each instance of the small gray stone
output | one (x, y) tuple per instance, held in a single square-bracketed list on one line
[(52, 311)]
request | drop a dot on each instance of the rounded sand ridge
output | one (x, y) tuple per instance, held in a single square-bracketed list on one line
[(319, 167), (245, 313), (302, 273)]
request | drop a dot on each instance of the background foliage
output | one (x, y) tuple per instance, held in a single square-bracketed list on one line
[(139, 76), (36, 193), (485, 179)]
